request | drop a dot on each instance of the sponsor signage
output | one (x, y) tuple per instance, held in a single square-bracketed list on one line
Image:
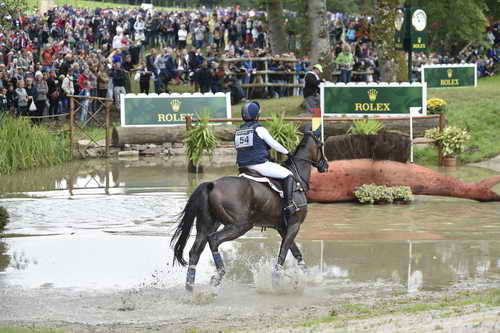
[(373, 100), (450, 76), (171, 109)]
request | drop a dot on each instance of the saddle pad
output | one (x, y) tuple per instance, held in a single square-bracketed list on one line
[(263, 180)]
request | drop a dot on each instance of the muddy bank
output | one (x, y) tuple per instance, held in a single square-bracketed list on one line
[(364, 307)]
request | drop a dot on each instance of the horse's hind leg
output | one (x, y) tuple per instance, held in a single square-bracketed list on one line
[(195, 253), (229, 232)]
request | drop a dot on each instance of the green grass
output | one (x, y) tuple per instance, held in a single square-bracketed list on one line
[(26, 146), (478, 111), (447, 306)]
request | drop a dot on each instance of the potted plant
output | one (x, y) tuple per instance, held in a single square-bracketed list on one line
[(200, 138), (285, 132), (436, 105), (451, 141)]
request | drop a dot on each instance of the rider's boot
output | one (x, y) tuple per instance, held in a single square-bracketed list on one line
[(290, 206)]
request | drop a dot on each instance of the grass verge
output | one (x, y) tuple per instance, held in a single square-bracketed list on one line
[(478, 111), (466, 302)]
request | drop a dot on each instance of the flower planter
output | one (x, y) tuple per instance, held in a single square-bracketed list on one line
[(449, 162)]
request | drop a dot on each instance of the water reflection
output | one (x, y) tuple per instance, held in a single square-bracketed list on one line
[(107, 224)]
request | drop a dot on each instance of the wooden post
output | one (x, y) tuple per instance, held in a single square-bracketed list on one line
[(442, 120), (108, 126), (71, 124), (189, 125)]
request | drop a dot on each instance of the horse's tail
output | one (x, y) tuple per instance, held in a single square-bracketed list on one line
[(196, 206)]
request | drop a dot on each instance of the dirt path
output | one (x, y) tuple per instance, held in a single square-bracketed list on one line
[(370, 307)]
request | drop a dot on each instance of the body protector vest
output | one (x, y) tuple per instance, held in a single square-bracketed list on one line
[(250, 148)]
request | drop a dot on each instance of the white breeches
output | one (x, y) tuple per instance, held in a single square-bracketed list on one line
[(270, 169)]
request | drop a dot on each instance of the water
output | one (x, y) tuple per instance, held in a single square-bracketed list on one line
[(107, 225)]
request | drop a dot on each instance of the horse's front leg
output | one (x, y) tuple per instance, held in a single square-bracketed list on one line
[(295, 250), (288, 241)]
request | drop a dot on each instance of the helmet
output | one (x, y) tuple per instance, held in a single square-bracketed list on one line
[(250, 111)]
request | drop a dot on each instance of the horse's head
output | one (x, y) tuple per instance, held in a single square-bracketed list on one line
[(317, 151)]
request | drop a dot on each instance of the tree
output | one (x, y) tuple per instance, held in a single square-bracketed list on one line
[(320, 39), (454, 24), (391, 62), (276, 22), (10, 10)]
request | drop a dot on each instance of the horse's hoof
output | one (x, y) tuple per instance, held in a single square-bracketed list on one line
[(276, 277), (303, 267), (215, 280), (189, 287)]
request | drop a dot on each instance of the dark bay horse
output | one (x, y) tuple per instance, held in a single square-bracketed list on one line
[(239, 204)]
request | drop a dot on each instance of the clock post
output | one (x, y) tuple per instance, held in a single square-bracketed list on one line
[(410, 35)]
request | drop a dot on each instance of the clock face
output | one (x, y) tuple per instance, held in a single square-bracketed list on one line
[(419, 20), (399, 19)]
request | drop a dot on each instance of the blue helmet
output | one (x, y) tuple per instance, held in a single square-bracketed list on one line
[(250, 111)]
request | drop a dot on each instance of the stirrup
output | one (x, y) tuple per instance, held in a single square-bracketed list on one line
[(291, 208)]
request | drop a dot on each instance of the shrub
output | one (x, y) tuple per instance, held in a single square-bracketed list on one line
[(201, 138), (436, 105), (285, 132), (4, 217), (24, 145), (451, 141), (365, 126), (370, 194)]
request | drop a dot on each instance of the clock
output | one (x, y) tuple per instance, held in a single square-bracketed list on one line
[(419, 20), (399, 19)]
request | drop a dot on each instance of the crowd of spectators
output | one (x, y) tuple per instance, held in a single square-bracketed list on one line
[(107, 52)]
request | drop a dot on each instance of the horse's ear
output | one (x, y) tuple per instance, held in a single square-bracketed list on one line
[(317, 132)]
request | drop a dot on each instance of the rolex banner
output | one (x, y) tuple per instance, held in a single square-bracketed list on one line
[(171, 109), (377, 100), (450, 76)]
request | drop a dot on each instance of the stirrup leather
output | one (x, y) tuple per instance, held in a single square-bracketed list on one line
[(291, 208)]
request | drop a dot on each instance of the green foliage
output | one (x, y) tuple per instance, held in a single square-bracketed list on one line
[(201, 138), (12, 8), (365, 126), (4, 218), (285, 132), (369, 194), (24, 146), (452, 140), (453, 24)]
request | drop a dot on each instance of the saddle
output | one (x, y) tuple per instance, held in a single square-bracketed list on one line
[(299, 195)]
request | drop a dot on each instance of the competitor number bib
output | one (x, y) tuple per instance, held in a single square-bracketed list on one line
[(243, 138)]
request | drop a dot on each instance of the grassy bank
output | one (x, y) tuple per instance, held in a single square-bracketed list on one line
[(478, 111), (26, 146)]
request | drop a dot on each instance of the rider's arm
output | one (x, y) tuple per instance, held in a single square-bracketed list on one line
[(264, 134)]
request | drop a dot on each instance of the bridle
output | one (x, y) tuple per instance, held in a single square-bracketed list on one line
[(321, 161), (320, 164)]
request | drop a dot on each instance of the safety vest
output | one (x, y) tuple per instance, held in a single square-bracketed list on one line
[(250, 148)]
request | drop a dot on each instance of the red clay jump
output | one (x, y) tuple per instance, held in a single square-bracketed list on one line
[(339, 183)]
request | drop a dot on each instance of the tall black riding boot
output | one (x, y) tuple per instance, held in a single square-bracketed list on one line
[(290, 206)]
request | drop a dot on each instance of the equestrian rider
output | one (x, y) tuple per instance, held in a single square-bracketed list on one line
[(253, 142)]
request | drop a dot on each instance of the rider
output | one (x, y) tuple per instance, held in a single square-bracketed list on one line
[(252, 142)]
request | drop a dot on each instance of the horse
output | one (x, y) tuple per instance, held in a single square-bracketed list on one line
[(239, 204)]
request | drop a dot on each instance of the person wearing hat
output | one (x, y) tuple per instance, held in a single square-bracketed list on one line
[(311, 88), (253, 142)]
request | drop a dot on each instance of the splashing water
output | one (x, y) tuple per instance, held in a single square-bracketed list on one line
[(292, 280)]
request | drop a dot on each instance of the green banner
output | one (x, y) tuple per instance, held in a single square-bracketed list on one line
[(167, 110), (373, 99), (450, 76)]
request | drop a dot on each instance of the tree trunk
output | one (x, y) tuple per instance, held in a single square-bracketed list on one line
[(276, 23), (225, 133), (320, 38)]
